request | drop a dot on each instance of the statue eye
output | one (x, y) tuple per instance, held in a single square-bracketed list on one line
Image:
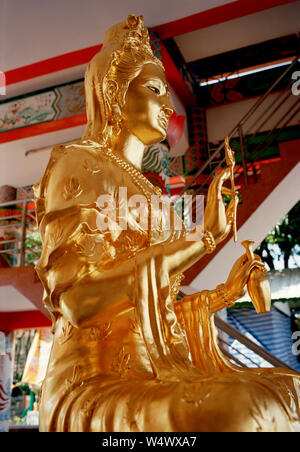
[(154, 89)]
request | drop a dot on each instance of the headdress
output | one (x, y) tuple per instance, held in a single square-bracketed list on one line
[(125, 50)]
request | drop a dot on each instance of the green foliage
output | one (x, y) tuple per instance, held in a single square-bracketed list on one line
[(25, 388), (227, 198), (33, 242), (286, 235), (17, 420)]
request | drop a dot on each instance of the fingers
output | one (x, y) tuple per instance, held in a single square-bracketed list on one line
[(244, 261), (232, 208), (258, 258), (224, 175), (257, 264), (216, 184), (228, 191)]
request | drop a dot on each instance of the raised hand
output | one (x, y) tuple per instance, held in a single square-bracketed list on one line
[(217, 219)]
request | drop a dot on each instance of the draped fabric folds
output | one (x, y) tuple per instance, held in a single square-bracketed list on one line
[(139, 361)]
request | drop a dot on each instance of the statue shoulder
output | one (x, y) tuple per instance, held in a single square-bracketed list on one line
[(75, 174), (75, 152)]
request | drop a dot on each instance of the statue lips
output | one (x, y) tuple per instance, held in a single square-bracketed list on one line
[(163, 120)]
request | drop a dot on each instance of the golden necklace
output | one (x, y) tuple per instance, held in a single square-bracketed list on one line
[(139, 180)]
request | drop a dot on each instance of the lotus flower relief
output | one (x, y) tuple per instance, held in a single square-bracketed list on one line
[(66, 333), (90, 246), (75, 379), (120, 363), (72, 189), (91, 169), (101, 333), (134, 327)]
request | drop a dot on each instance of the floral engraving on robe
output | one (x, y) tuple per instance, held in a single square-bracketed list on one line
[(120, 363), (134, 327), (175, 286), (75, 379), (91, 170), (88, 406), (262, 416), (72, 189), (101, 333), (193, 397), (66, 333), (90, 246)]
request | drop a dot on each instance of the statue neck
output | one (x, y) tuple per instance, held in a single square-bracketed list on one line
[(129, 147)]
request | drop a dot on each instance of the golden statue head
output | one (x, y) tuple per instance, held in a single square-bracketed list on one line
[(125, 86)]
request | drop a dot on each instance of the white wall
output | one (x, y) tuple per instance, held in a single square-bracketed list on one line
[(17, 170)]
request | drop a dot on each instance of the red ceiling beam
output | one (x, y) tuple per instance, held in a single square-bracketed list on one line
[(55, 64), (26, 281), (21, 320), (44, 127)]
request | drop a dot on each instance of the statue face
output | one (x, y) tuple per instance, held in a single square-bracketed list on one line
[(147, 106)]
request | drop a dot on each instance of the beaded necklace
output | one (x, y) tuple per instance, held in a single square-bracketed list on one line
[(139, 180)]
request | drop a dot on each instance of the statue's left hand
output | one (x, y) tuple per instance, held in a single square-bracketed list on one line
[(217, 219)]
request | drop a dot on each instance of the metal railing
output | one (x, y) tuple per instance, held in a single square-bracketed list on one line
[(245, 132), (251, 354), (19, 248)]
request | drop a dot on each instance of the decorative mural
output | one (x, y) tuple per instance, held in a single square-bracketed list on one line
[(175, 166), (155, 43), (156, 165), (245, 87), (55, 103)]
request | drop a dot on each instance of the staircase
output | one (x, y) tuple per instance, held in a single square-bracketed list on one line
[(256, 175), (269, 175)]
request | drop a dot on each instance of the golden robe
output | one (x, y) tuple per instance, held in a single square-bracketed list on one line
[(147, 364)]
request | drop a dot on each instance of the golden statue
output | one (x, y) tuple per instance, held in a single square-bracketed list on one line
[(126, 355)]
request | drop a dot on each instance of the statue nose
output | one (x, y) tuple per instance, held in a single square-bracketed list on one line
[(168, 111)]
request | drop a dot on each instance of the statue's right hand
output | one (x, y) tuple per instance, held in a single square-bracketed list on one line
[(217, 219), (239, 274)]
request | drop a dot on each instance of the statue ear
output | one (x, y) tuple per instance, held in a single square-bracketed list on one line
[(111, 91), (115, 115)]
